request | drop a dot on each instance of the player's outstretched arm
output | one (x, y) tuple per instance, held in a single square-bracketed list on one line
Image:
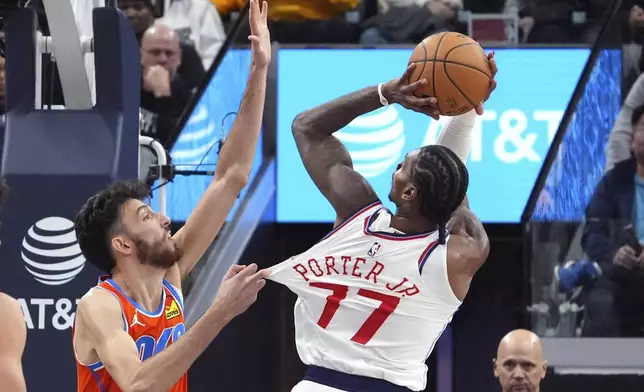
[(100, 326), (236, 157), (469, 244), (13, 335), (327, 160)]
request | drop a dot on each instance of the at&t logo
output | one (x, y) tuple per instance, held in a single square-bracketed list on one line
[(375, 141), (197, 139), (51, 252)]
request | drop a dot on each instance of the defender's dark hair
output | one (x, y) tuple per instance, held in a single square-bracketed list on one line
[(99, 219), (638, 112), (442, 180)]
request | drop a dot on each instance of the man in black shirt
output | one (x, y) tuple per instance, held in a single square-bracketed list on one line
[(164, 93)]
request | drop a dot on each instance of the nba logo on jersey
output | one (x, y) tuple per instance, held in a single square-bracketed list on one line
[(374, 249)]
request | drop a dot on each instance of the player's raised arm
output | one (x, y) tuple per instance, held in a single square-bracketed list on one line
[(469, 245), (13, 335), (236, 157), (327, 160), (100, 327)]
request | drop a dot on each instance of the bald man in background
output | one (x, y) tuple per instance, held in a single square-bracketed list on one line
[(519, 363), (164, 94)]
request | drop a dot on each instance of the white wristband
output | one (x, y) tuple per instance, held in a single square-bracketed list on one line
[(383, 100)]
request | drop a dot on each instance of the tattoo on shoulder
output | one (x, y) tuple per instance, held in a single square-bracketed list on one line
[(465, 221)]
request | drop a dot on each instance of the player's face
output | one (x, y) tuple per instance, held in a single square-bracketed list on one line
[(402, 188), (519, 373), (147, 235)]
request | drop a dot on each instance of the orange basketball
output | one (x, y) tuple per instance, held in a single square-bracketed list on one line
[(457, 71)]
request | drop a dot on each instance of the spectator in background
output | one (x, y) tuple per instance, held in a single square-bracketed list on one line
[(164, 94), (634, 29), (618, 147), (561, 21), (141, 13), (310, 21), (613, 237), (197, 22), (410, 21), (519, 363)]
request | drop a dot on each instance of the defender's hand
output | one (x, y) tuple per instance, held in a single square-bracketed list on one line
[(494, 69), (239, 289), (259, 37), (400, 91)]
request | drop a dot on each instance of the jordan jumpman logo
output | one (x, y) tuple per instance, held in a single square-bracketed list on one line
[(135, 320)]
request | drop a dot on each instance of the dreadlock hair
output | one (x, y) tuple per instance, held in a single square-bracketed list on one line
[(442, 180), (100, 218)]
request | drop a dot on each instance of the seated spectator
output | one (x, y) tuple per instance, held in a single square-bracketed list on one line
[(164, 94), (618, 147), (410, 21), (141, 14), (613, 236), (311, 21), (556, 21), (519, 363), (633, 30), (198, 23)]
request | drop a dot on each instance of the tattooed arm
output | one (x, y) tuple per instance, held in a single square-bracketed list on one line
[(326, 159)]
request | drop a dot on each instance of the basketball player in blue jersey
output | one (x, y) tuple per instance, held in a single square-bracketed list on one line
[(13, 335), (377, 292)]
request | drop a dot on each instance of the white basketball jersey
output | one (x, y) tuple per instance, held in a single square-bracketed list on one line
[(371, 301)]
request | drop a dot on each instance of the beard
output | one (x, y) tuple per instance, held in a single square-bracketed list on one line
[(157, 255)]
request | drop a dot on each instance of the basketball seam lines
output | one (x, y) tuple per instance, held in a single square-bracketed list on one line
[(424, 62), (434, 68), (457, 63), (456, 85), (458, 46)]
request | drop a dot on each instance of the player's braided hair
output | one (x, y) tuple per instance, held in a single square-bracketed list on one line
[(442, 180), (100, 218)]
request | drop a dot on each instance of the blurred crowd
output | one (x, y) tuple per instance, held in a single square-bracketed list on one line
[(180, 38)]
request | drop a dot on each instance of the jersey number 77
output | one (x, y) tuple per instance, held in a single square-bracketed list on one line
[(388, 304)]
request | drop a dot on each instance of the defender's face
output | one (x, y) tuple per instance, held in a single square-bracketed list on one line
[(401, 181), (519, 372), (147, 234)]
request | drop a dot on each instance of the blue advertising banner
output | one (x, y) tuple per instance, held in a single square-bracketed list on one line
[(197, 147), (510, 140)]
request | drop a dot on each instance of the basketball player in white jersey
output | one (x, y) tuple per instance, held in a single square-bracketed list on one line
[(13, 334), (377, 292)]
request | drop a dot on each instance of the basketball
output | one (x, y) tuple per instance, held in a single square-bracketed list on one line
[(457, 72)]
